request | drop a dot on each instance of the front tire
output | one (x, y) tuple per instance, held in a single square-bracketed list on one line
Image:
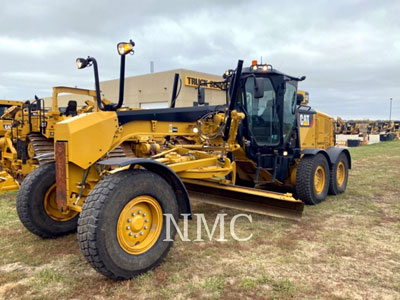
[(37, 207), (312, 179), (122, 227)]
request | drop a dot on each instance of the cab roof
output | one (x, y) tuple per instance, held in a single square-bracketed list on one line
[(270, 71)]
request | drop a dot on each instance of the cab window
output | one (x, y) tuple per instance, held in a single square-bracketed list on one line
[(262, 116), (289, 110)]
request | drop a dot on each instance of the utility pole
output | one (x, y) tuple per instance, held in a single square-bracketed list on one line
[(152, 67), (390, 114)]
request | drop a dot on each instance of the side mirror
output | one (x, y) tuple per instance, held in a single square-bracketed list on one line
[(259, 88), (300, 99), (201, 96)]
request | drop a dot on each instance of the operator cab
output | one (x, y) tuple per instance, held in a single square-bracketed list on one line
[(269, 99), (4, 108), (70, 109)]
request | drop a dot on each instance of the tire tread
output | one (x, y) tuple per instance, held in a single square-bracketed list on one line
[(333, 188), (24, 197), (304, 172), (90, 219)]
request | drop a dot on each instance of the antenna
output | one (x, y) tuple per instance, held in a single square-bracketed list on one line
[(261, 59)]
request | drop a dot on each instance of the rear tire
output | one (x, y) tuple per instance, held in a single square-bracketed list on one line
[(339, 175), (312, 179), (112, 232), (37, 208)]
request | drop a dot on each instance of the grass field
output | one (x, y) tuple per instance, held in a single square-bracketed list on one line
[(345, 248)]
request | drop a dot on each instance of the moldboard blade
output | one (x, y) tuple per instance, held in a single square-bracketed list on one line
[(246, 199)]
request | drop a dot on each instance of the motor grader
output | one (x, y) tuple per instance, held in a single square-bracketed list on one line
[(6, 182), (6, 122), (351, 128), (28, 132), (372, 128), (263, 135), (340, 125)]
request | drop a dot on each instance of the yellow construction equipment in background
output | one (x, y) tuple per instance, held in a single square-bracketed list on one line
[(395, 129), (373, 128), (346, 127), (351, 128), (228, 155), (383, 127), (28, 133), (7, 183), (303, 97), (5, 123), (339, 125)]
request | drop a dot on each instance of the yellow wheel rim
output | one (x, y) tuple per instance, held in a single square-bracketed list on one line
[(31, 150), (340, 173), (319, 179), (139, 225), (51, 208)]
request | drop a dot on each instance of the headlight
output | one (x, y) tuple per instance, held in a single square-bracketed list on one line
[(227, 73), (125, 48), (265, 68), (255, 67), (81, 63)]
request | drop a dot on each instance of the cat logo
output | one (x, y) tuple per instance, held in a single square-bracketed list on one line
[(305, 120)]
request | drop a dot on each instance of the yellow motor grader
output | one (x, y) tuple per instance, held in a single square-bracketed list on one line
[(262, 136), (346, 127), (28, 132), (372, 128), (340, 125), (5, 123), (395, 129), (351, 128)]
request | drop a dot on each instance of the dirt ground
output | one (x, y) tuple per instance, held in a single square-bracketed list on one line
[(348, 247)]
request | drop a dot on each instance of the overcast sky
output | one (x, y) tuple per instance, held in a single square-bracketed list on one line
[(349, 50)]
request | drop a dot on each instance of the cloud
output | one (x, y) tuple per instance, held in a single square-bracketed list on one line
[(349, 50)]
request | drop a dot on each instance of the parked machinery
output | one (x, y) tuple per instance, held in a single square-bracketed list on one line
[(390, 130), (395, 129), (351, 127), (396, 126), (339, 125), (28, 135), (346, 127), (374, 127), (5, 123), (263, 135)]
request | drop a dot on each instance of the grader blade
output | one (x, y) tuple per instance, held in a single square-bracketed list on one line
[(247, 199), (7, 182)]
